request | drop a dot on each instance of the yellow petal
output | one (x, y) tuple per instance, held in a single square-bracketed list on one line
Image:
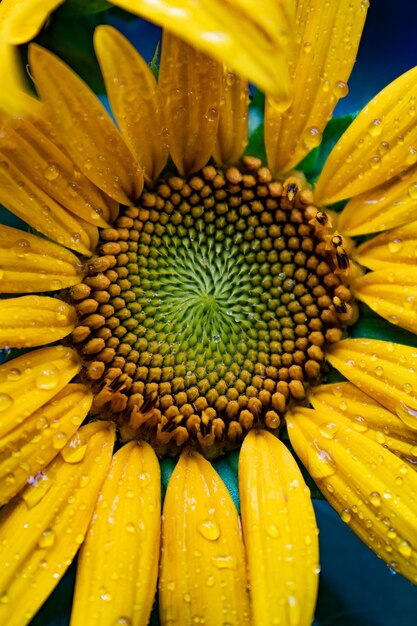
[(31, 264), (392, 293), (27, 449), (41, 531), (85, 128), (389, 205), (202, 549), (47, 166), (34, 321), (372, 489), (39, 210), (379, 144), (385, 370), (280, 533), (327, 36), (15, 98), (123, 541), (255, 39), (190, 87), (21, 21), (135, 99), (232, 132), (366, 417), (29, 381), (397, 246)]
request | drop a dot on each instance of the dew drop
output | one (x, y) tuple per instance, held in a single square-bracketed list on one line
[(273, 531), (209, 529), (375, 499), (59, 440), (76, 420), (412, 191), (47, 378), (171, 585), (105, 595), (294, 610), (51, 172), (75, 450), (212, 114), (6, 402), (359, 424), (4, 598), (210, 581), (395, 245), (21, 247), (320, 464), (328, 430), (411, 157), (346, 515), (375, 128), (312, 137), (340, 89), (47, 539), (307, 47), (223, 562), (230, 79), (187, 597), (130, 527), (405, 549)]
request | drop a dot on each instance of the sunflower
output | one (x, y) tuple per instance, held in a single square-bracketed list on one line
[(198, 300)]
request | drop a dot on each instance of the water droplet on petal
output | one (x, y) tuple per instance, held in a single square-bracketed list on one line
[(212, 114), (312, 137), (75, 450), (273, 531), (59, 440), (375, 499), (328, 430), (340, 89), (375, 128), (47, 378), (395, 245), (405, 549), (346, 515), (294, 610), (6, 402), (105, 595), (209, 529), (47, 539), (412, 191), (223, 562), (51, 172)]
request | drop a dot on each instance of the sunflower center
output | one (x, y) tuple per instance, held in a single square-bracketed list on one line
[(208, 307)]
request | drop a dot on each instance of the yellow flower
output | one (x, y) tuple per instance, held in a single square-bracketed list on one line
[(195, 307)]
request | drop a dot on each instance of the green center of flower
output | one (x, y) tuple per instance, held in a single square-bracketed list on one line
[(208, 308)]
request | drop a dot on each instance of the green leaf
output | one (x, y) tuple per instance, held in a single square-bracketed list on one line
[(371, 326), (85, 7), (70, 36), (256, 145), (154, 64)]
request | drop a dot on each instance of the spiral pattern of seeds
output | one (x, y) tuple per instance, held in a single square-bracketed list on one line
[(208, 307)]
